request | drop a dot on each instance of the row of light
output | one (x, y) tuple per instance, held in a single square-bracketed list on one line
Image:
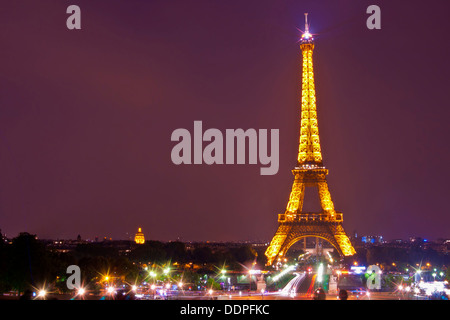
[(110, 290), (153, 274), (282, 273), (42, 293)]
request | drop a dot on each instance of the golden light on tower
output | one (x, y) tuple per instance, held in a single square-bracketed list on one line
[(139, 237), (295, 224), (309, 144)]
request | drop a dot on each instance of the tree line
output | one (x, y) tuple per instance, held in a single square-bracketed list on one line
[(26, 263)]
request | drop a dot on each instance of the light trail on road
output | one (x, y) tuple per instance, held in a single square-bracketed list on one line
[(291, 288)]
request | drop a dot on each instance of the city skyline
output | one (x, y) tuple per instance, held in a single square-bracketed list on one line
[(130, 236), (86, 117)]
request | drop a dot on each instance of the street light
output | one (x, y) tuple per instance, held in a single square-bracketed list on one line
[(81, 291), (42, 293)]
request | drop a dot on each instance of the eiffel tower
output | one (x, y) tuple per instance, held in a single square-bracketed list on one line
[(295, 224)]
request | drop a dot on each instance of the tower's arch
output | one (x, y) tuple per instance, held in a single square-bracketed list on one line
[(297, 239)]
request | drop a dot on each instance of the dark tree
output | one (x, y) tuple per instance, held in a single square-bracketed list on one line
[(29, 263), (151, 251), (176, 251)]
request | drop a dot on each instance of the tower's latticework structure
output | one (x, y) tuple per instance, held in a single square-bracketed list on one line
[(295, 224)]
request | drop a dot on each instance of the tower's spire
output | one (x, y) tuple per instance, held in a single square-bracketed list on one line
[(306, 36), (306, 23), (309, 151)]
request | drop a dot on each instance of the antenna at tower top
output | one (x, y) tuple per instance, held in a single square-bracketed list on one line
[(306, 23), (306, 36)]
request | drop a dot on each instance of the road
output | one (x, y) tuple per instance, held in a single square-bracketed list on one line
[(291, 288)]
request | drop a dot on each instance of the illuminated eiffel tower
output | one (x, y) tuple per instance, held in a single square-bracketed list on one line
[(294, 224)]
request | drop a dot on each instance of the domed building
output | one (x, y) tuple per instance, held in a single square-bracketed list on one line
[(139, 237)]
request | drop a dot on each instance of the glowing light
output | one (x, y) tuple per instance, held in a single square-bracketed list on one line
[(110, 290), (42, 293), (358, 269), (432, 287), (81, 291), (319, 273), (282, 273), (139, 237), (306, 35), (134, 288)]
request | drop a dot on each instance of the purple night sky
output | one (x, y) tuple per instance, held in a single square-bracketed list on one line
[(86, 115)]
